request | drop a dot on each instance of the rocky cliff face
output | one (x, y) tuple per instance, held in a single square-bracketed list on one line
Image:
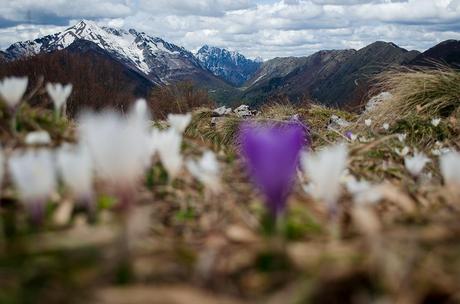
[(231, 66)]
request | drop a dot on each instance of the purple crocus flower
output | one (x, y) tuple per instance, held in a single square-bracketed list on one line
[(272, 155), (349, 134)]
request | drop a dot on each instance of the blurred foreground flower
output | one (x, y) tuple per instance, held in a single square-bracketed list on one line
[(416, 164), (12, 89), (140, 110), (179, 122), (76, 170), (168, 145), (38, 138), (118, 147), (325, 170), (59, 94), (206, 170), (272, 155), (33, 174), (362, 191), (368, 122), (450, 168)]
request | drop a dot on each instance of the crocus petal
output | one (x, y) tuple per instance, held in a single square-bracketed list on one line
[(436, 121), (450, 168), (416, 164), (272, 155), (76, 170), (34, 176), (118, 146), (59, 93), (179, 122), (206, 170), (12, 89), (325, 170), (168, 146)]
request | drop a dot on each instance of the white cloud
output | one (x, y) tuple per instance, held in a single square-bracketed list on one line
[(266, 28)]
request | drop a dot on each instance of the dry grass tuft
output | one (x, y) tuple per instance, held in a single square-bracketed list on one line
[(425, 92)]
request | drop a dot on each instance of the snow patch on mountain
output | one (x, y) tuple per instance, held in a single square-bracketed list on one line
[(129, 46)]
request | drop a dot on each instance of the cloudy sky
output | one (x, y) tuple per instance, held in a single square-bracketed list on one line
[(265, 28)]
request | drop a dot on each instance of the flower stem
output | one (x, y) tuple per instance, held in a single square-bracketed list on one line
[(13, 121)]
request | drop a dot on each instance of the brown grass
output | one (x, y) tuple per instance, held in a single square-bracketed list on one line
[(179, 98), (425, 92)]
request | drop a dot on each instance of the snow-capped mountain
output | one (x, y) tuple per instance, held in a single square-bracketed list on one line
[(160, 61), (231, 66)]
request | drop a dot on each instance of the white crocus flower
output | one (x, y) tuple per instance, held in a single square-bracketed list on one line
[(362, 191), (141, 110), (59, 94), (402, 152), (402, 137), (38, 138), (179, 122), (416, 164), (12, 90), (450, 168), (436, 121), (325, 170), (118, 146), (206, 170), (34, 176), (368, 122), (168, 146), (386, 126), (76, 170)]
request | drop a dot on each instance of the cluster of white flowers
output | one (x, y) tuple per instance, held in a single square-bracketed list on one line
[(12, 90), (113, 148)]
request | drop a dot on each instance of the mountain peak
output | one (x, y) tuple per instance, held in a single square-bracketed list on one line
[(86, 22), (137, 50), (446, 52), (230, 65)]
